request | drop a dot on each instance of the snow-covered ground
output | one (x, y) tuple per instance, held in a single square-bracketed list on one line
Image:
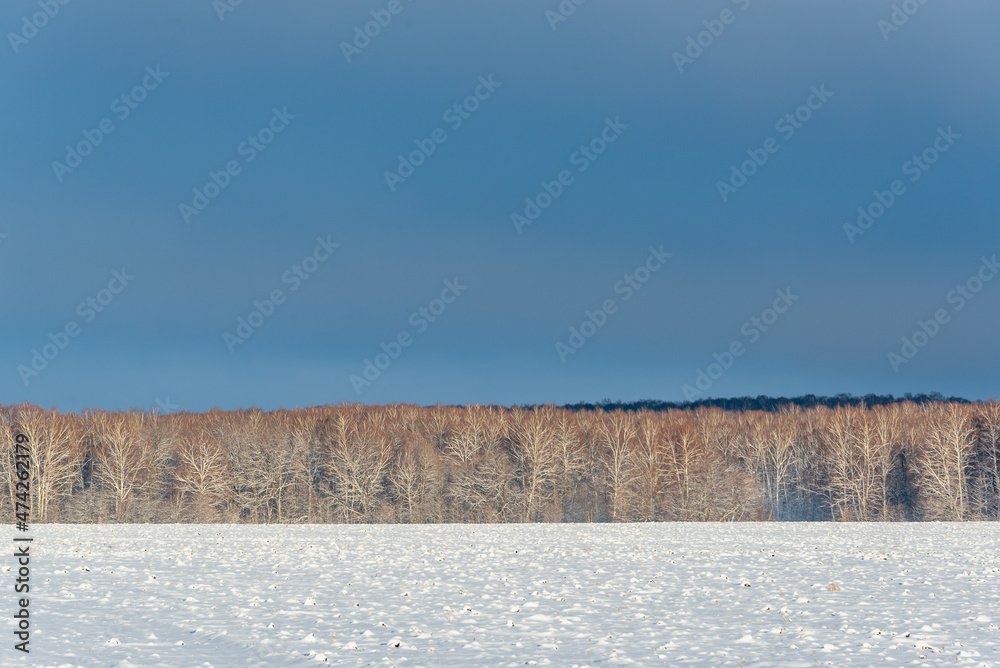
[(511, 595)]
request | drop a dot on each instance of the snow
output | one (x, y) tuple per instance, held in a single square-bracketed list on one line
[(775, 594)]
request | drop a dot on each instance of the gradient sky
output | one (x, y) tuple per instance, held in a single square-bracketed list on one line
[(160, 340)]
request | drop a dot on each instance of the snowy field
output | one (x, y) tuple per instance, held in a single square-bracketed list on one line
[(513, 595)]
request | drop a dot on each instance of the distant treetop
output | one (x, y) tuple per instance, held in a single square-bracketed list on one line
[(766, 403)]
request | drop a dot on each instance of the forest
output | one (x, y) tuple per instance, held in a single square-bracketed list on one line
[(901, 460)]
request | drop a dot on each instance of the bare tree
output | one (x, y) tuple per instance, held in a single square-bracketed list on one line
[(943, 463), (767, 448), (536, 459), (617, 434), (55, 444), (8, 463), (358, 459), (123, 459), (203, 473), (987, 461), (651, 467), (573, 483), (853, 461), (242, 434)]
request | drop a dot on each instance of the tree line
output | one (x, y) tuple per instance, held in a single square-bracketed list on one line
[(934, 460), (765, 403)]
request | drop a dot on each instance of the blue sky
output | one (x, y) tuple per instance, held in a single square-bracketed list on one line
[(552, 88)]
